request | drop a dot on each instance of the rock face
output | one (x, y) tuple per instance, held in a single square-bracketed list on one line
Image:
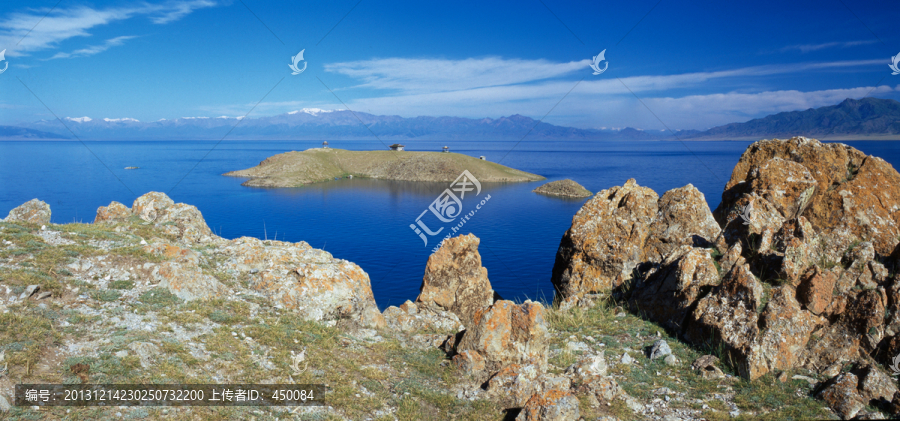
[(606, 240), (683, 219), (33, 211), (505, 333), (565, 187), (624, 227), (854, 197), (455, 281)]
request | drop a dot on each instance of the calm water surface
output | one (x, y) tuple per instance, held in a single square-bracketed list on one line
[(367, 221)]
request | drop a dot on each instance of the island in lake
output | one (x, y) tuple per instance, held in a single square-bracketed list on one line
[(294, 169)]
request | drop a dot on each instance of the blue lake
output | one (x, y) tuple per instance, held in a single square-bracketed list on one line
[(367, 221)]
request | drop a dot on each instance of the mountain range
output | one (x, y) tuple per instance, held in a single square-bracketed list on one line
[(864, 118)]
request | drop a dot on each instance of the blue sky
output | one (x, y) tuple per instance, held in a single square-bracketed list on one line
[(693, 65)]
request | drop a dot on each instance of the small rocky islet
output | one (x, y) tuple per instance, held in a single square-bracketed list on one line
[(781, 303), (566, 188)]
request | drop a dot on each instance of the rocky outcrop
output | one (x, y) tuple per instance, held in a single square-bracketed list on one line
[(308, 281), (567, 188), (33, 211), (182, 221), (294, 276), (851, 196), (505, 333), (606, 240), (627, 230), (799, 275), (455, 281), (115, 212)]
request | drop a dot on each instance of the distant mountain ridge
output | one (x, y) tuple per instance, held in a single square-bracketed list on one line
[(21, 133), (316, 124), (867, 117)]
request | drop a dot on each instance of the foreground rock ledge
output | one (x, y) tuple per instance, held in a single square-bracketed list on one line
[(293, 276)]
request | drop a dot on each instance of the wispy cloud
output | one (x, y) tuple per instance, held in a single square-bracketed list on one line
[(805, 48), (414, 75), (494, 87), (94, 49), (65, 23)]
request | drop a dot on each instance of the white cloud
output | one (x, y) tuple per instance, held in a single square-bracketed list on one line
[(805, 48), (84, 119), (29, 31), (94, 49), (113, 120), (414, 75), (492, 88)]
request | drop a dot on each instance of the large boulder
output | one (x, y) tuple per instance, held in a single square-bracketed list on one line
[(851, 197), (33, 211), (514, 384), (182, 221), (115, 212), (308, 281), (606, 240), (455, 281), (683, 218), (505, 333)]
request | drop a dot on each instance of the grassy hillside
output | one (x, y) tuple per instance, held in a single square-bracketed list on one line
[(293, 169)]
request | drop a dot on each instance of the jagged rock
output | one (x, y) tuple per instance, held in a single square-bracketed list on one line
[(188, 282), (732, 257), (552, 405), (505, 333), (455, 280), (782, 183), (150, 205), (115, 212), (669, 292), (705, 366), (785, 329), (815, 290), (565, 187), (728, 315), (605, 241), (799, 248), (409, 318), (832, 346), (33, 211), (842, 396), (875, 385), (683, 218), (184, 222), (856, 197), (515, 383)]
